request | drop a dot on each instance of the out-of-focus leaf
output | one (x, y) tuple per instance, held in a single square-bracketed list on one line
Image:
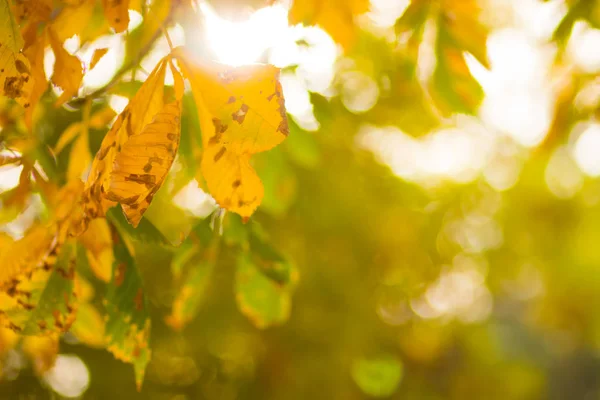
[(191, 294), (32, 10), (263, 301), (377, 377), (278, 179), (68, 70), (142, 36), (44, 300), (117, 14), (89, 325), (264, 282), (145, 232), (98, 243), (15, 76), (302, 147), (97, 56), (128, 323), (578, 10), (42, 350), (452, 85), (334, 16)]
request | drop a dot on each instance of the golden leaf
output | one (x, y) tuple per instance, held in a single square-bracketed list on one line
[(80, 157), (73, 20), (336, 17), (137, 152), (116, 12), (34, 51), (15, 79), (98, 54), (68, 71), (241, 113), (143, 163), (98, 243)]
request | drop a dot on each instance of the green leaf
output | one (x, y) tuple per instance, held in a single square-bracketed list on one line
[(264, 282), (128, 323), (191, 294), (377, 377), (145, 232)]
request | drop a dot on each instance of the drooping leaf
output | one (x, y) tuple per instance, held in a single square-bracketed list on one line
[(137, 152), (192, 265), (15, 71), (264, 282), (262, 300), (190, 295), (128, 323), (242, 112), (336, 17), (97, 56), (458, 31), (117, 14)]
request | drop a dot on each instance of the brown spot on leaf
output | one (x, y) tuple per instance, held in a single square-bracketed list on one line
[(236, 183), (171, 136), (147, 179), (231, 100), (120, 274), (147, 167), (139, 300), (21, 67), (240, 114), (219, 154)]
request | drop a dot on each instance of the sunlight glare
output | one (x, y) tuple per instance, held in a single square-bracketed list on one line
[(586, 151), (69, 377), (239, 43)]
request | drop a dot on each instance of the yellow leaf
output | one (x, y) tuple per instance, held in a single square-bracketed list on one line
[(98, 54), (68, 71), (143, 163), (8, 340), (22, 256), (241, 113), (117, 14), (9, 30), (34, 51), (98, 243), (137, 152), (101, 118), (73, 20), (89, 326), (15, 75), (336, 17), (80, 157)]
